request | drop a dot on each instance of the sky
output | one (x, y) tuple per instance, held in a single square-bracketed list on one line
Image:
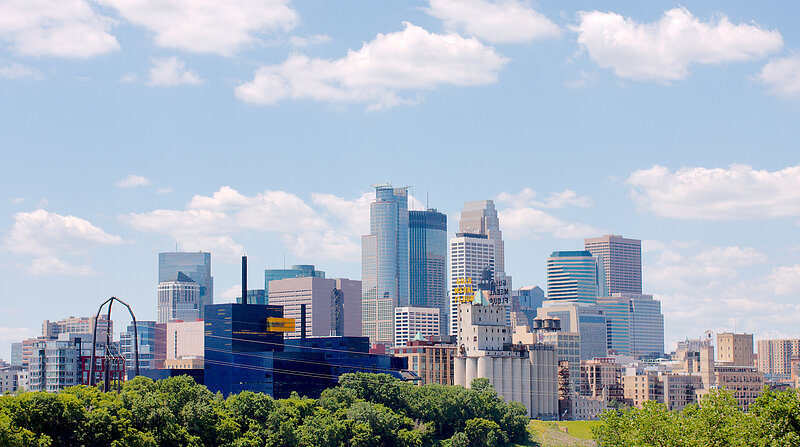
[(132, 127)]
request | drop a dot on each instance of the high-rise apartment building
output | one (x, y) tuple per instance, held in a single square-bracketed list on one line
[(195, 265), (480, 217), (410, 321), (573, 276), (427, 259), (76, 325), (296, 271), (735, 349), (471, 261), (775, 356), (333, 306), (180, 299), (622, 263), (384, 263)]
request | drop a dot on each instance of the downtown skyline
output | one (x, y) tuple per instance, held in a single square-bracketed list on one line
[(106, 164)]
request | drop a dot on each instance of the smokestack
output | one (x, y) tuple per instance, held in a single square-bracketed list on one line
[(303, 321), (244, 279)]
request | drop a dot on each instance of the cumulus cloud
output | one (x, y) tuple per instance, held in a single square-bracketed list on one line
[(315, 39), (664, 50), (782, 76), (13, 70), (229, 295), (133, 181), (500, 21), (49, 236), (528, 197), (212, 222), (378, 73), (784, 280), (213, 26), (523, 217), (171, 71), (63, 28), (736, 193)]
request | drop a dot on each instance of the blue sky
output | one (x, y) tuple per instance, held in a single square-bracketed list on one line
[(127, 126)]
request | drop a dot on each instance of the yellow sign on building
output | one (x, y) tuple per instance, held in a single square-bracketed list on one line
[(280, 324)]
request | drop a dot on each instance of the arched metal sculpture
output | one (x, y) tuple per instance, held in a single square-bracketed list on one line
[(110, 301)]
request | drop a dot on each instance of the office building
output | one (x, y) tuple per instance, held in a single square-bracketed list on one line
[(411, 321), (180, 299), (332, 306), (185, 340), (573, 276), (471, 262), (384, 263), (427, 260), (296, 271), (152, 346), (480, 217), (635, 324), (524, 374), (622, 262), (675, 390), (775, 356), (431, 359), (587, 320), (602, 377), (195, 265), (255, 296), (618, 324), (735, 349), (16, 354), (745, 382), (524, 302)]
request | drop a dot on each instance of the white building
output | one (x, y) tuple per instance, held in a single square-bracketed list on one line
[(525, 374), (185, 339), (470, 256), (410, 320)]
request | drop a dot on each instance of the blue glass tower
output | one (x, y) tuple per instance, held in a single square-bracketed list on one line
[(427, 259), (195, 265), (574, 276), (384, 263)]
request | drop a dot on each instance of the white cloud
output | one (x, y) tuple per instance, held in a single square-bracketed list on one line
[(664, 50), (162, 191), (323, 245), (229, 295), (55, 266), (527, 197), (13, 70), (315, 39), (784, 280), (17, 200), (10, 335), (129, 77), (211, 26), (171, 71), (499, 21), (736, 193), (782, 76), (352, 215), (378, 73), (63, 28), (133, 181)]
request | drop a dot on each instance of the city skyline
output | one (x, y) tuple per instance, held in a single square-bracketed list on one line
[(115, 153)]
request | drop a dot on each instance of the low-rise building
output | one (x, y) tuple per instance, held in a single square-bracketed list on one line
[(431, 360), (745, 382), (412, 320), (602, 377)]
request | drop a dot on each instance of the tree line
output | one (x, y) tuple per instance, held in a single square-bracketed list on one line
[(364, 410)]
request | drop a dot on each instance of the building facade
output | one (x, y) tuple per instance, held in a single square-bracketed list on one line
[(185, 340), (635, 324), (587, 320), (384, 263), (427, 258), (480, 217), (573, 276), (735, 349), (431, 360), (410, 321), (296, 271), (775, 356), (152, 346), (180, 299), (333, 306), (745, 382), (471, 260), (622, 262), (195, 265)]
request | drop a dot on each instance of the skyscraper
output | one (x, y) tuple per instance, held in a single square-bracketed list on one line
[(297, 271), (333, 306), (427, 257), (471, 258), (480, 217), (574, 276), (179, 300), (384, 263), (622, 262), (195, 265)]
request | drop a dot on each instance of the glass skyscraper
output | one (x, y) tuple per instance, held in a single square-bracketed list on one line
[(480, 217), (384, 263), (573, 275), (427, 257), (195, 265)]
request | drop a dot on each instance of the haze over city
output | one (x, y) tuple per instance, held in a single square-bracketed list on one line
[(262, 130)]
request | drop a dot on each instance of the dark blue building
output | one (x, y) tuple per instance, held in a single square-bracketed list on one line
[(427, 261)]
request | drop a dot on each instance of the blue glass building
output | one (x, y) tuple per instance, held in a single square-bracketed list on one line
[(573, 276), (195, 265), (384, 263), (255, 296), (427, 260)]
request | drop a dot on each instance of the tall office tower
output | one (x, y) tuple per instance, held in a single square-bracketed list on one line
[(775, 356), (622, 262), (427, 259), (735, 349), (179, 300), (618, 324), (480, 217), (573, 276), (384, 263), (647, 325), (471, 259), (296, 271), (195, 265), (333, 306), (152, 346)]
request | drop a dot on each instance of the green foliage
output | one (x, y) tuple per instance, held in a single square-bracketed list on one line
[(774, 420), (365, 410)]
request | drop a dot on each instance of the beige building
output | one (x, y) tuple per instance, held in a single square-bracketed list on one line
[(735, 349), (520, 373), (185, 339), (602, 377), (333, 306), (639, 389), (431, 360), (775, 356), (675, 390), (745, 382), (184, 363)]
